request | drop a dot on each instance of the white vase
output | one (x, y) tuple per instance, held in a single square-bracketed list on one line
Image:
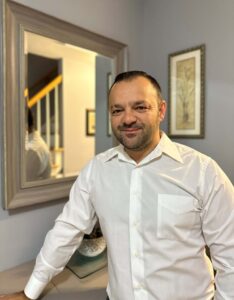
[(92, 247)]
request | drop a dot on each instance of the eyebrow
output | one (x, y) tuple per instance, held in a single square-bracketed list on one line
[(116, 106), (137, 102)]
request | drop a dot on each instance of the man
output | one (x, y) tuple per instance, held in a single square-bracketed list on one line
[(159, 204), (38, 157)]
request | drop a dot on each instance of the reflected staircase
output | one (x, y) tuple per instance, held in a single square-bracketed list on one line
[(46, 107)]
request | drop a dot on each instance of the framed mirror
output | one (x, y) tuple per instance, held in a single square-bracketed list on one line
[(48, 84)]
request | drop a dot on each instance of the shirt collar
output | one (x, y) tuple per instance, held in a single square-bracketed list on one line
[(165, 146), (169, 148)]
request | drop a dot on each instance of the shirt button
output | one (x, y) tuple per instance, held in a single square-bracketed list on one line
[(135, 224), (139, 286), (136, 254)]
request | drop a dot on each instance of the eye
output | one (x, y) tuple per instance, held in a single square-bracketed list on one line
[(141, 108), (116, 111)]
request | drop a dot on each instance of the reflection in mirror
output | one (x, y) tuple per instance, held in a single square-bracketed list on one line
[(55, 72), (38, 159), (59, 89)]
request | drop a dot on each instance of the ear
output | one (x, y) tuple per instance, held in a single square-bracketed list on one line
[(162, 110)]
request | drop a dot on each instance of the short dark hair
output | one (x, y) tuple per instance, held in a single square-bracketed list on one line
[(129, 75), (30, 121)]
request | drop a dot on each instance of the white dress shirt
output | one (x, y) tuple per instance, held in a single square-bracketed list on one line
[(38, 157), (156, 216)]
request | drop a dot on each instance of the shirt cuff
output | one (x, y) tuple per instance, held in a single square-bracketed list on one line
[(34, 288)]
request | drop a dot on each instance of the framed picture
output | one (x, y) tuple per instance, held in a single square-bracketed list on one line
[(90, 122), (186, 93)]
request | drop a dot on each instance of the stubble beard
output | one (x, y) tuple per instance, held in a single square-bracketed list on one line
[(135, 143)]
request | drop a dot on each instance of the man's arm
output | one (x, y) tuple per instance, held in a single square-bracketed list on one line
[(78, 218), (218, 228)]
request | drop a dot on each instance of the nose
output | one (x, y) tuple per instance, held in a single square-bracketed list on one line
[(129, 117)]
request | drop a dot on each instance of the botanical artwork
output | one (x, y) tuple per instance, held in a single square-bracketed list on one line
[(185, 94)]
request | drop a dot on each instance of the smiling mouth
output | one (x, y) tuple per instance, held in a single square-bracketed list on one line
[(130, 129), (130, 132)]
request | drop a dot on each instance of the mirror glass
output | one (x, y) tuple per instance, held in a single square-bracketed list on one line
[(60, 93), (55, 108)]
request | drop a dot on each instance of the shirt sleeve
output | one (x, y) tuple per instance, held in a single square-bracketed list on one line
[(78, 218), (218, 228)]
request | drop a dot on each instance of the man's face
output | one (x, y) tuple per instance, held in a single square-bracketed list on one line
[(136, 112)]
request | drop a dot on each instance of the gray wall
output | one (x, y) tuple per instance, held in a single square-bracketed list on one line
[(162, 27), (22, 231), (171, 26), (102, 140)]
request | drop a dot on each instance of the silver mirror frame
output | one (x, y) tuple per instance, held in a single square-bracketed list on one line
[(14, 20)]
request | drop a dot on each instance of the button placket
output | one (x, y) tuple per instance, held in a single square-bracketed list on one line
[(136, 242)]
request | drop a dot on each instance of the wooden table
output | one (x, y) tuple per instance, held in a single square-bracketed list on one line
[(65, 286)]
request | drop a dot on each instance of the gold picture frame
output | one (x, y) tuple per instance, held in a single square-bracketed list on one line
[(90, 122), (186, 93)]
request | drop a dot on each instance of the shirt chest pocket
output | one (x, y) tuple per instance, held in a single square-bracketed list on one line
[(177, 216)]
